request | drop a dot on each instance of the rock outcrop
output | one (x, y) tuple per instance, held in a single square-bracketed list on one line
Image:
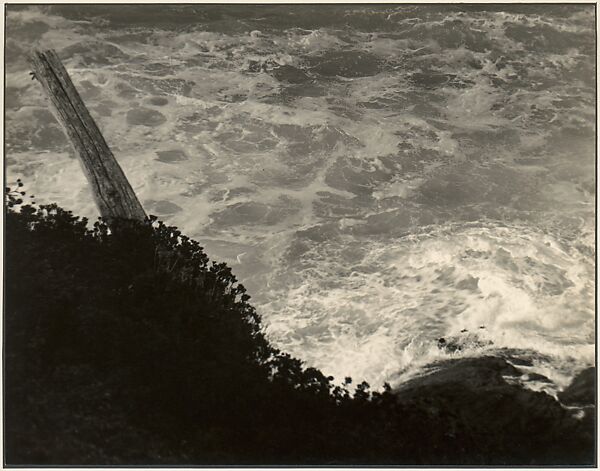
[(582, 391), (474, 400)]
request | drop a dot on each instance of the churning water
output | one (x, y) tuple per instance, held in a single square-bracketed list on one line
[(377, 176)]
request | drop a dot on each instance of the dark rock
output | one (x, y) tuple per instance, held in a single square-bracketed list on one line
[(486, 416), (464, 341), (468, 372), (582, 391)]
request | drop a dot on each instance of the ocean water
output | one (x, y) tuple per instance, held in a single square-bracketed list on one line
[(378, 176)]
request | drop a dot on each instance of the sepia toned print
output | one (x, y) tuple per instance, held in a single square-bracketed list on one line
[(399, 200)]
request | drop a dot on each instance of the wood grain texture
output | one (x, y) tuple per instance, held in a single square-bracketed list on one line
[(112, 192)]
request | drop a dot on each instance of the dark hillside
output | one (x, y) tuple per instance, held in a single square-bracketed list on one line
[(130, 347)]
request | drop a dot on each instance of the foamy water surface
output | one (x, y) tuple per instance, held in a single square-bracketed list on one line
[(377, 176)]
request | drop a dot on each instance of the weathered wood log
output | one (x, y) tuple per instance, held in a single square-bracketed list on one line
[(112, 192)]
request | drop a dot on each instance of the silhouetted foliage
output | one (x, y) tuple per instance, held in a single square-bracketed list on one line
[(128, 346)]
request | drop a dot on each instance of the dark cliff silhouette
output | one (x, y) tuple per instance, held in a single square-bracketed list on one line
[(128, 346)]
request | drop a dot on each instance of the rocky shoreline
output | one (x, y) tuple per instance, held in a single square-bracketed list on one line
[(475, 397)]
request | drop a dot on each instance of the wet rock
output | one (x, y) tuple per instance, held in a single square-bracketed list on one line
[(464, 341), (471, 405), (145, 117), (582, 390), (466, 372)]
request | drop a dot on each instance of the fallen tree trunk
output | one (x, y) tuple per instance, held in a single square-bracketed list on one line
[(112, 192)]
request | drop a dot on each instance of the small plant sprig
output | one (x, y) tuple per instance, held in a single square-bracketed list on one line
[(14, 197)]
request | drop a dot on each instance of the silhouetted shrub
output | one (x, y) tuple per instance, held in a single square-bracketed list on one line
[(132, 331)]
